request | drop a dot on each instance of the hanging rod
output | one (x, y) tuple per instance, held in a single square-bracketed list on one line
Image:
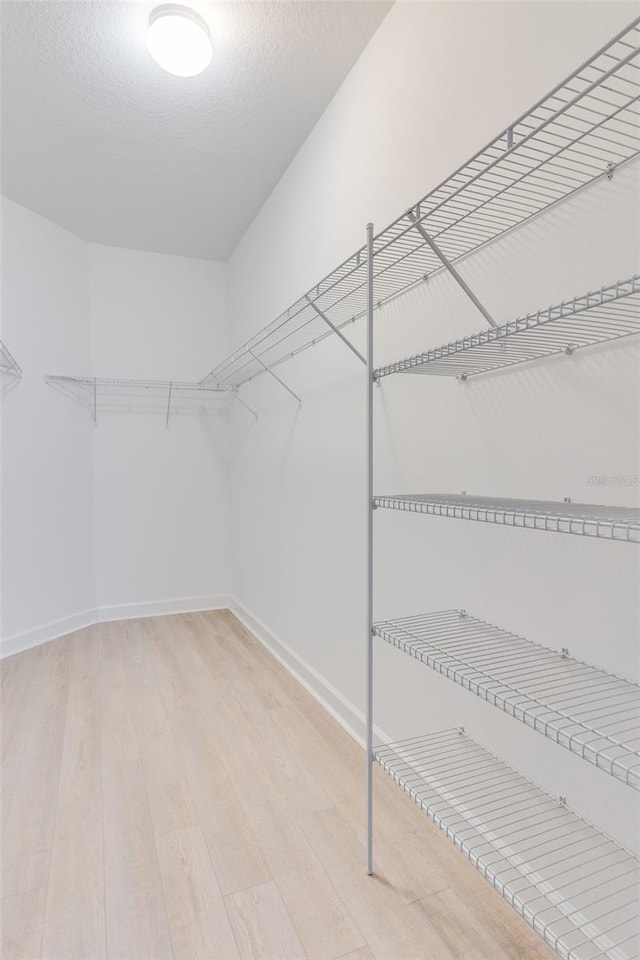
[(610, 313), (584, 130)]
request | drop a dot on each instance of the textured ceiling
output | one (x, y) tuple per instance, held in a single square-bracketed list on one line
[(99, 139)]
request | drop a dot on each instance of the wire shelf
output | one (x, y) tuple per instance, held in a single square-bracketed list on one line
[(594, 714), (581, 131), (90, 392), (8, 364), (601, 315), (575, 886), (584, 519)]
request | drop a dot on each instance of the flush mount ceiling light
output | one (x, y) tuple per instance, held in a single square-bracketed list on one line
[(178, 40)]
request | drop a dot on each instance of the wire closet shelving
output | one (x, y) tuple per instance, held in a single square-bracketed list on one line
[(582, 131), (601, 315), (566, 878), (590, 712), (576, 887), (90, 391), (8, 365), (581, 519)]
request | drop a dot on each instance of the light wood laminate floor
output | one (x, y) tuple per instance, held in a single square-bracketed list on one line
[(169, 791)]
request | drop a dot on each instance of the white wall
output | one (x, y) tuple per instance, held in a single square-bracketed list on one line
[(436, 83), (47, 507), (161, 494), (125, 518)]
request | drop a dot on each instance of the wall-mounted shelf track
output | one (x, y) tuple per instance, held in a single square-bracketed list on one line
[(583, 519), (90, 392), (8, 365), (576, 887), (601, 315), (594, 714), (586, 128)]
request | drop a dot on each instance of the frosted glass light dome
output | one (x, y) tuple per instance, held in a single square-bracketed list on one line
[(178, 40)]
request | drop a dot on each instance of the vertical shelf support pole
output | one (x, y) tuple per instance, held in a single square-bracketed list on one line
[(369, 647)]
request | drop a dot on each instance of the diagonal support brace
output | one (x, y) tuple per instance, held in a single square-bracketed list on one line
[(234, 395), (166, 420), (450, 267), (335, 329), (276, 377)]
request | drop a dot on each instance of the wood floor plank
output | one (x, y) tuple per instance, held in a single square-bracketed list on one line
[(20, 675), (466, 939), (170, 800), (81, 769), (364, 953), (84, 655), (322, 920), (198, 921), (380, 914), (236, 855), (262, 926), (26, 848), (21, 919), (237, 859), (136, 919), (119, 739), (8, 779), (407, 866), (74, 926)]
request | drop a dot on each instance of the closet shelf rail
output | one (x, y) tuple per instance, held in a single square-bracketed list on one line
[(594, 714), (601, 315), (574, 885), (8, 364), (583, 519), (140, 387), (583, 130), (90, 391)]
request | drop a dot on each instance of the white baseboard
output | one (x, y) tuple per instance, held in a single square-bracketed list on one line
[(163, 608), (17, 642), (335, 703)]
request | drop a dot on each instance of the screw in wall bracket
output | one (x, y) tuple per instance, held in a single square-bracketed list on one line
[(569, 349), (462, 378), (566, 499), (564, 652), (562, 801), (460, 731), (610, 168), (462, 613)]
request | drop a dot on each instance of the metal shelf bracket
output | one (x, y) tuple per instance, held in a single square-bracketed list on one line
[(234, 395), (335, 329), (277, 378), (414, 214)]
